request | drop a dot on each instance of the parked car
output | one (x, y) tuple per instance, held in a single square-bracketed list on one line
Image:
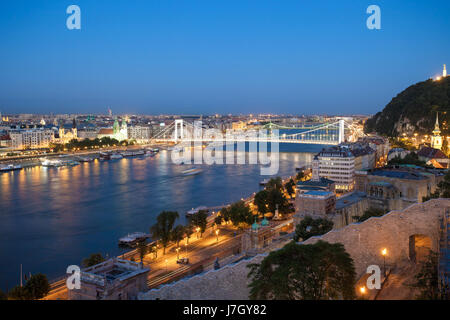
[(183, 261)]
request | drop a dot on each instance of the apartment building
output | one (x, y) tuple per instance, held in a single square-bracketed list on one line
[(140, 133), (31, 139), (338, 164)]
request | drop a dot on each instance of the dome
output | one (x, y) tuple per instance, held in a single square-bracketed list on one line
[(265, 222), (255, 226)]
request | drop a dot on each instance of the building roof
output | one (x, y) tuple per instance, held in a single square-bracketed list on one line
[(106, 131), (431, 153), (381, 184), (350, 199), (397, 174), (323, 182), (318, 193)]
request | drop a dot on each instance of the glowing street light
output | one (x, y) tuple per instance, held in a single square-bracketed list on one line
[(217, 235), (178, 253), (384, 253), (198, 230), (363, 291)]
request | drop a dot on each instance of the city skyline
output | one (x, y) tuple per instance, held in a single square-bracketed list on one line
[(207, 58)]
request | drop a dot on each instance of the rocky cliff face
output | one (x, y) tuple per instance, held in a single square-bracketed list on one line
[(414, 110)]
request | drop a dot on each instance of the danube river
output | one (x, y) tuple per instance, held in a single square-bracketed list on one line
[(54, 217)]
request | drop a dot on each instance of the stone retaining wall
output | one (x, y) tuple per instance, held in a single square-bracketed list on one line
[(363, 241)]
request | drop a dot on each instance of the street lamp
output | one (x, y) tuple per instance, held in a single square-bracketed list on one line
[(384, 253), (198, 229), (178, 253), (217, 235), (363, 291)]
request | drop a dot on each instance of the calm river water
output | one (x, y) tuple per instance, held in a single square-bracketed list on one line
[(53, 217)]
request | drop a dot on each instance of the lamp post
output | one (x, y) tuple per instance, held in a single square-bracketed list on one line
[(198, 229), (217, 235), (384, 253), (186, 250), (178, 253)]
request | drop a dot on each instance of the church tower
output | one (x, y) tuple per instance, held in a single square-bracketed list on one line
[(436, 139), (61, 130), (74, 129)]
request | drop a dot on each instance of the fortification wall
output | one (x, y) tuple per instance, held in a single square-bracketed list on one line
[(363, 241)]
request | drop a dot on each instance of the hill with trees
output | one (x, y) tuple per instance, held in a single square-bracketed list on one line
[(414, 110)]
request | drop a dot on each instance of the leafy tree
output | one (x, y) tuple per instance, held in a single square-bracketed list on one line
[(290, 187), (411, 158), (18, 293), (304, 272), (218, 220), (427, 279), (37, 286), (260, 201), (300, 176), (178, 234), (154, 249), (142, 250), (369, 213), (239, 214), (275, 183), (199, 220), (163, 227), (188, 231), (92, 260), (310, 227), (272, 196)]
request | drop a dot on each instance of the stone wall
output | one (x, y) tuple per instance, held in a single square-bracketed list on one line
[(363, 241)]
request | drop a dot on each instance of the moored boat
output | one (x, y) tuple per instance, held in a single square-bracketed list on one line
[(133, 238), (116, 156), (52, 163), (10, 167), (193, 211)]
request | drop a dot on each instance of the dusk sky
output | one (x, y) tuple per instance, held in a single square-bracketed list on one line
[(216, 56)]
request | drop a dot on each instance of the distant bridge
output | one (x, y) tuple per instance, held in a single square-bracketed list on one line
[(181, 131)]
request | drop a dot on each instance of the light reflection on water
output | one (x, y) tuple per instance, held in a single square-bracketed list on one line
[(53, 217)]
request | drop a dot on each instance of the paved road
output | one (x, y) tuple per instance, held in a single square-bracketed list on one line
[(164, 269)]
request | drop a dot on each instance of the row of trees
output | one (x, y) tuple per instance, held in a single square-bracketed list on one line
[(165, 230), (239, 214), (89, 144)]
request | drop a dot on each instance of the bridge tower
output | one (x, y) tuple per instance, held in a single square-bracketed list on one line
[(179, 122), (341, 131)]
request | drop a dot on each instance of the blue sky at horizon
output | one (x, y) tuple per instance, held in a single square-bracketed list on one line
[(216, 56)]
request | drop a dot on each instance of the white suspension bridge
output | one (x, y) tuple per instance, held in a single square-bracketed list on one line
[(184, 132)]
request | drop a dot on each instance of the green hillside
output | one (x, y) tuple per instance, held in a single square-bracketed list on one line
[(414, 110)]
